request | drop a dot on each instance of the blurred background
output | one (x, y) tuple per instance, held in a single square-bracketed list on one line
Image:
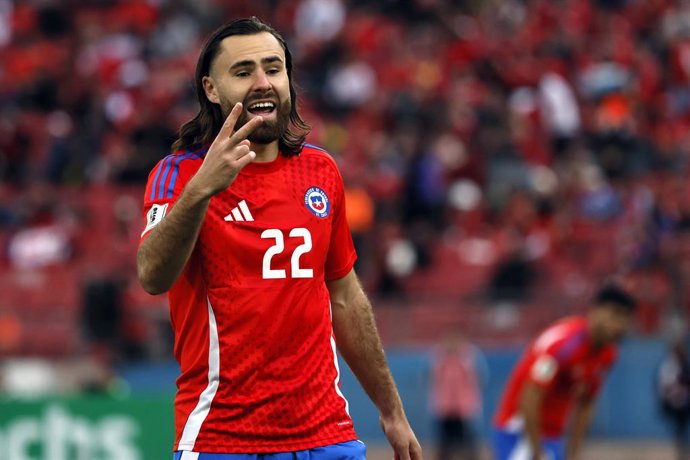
[(502, 158)]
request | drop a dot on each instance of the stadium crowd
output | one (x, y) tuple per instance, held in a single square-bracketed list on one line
[(503, 156)]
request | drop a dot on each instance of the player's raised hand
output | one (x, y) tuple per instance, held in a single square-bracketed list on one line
[(227, 155)]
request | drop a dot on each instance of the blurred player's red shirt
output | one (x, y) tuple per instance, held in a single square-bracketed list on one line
[(564, 362), (251, 311)]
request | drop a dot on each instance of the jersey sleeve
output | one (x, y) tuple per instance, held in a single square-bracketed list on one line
[(341, 251), (553, 351), (165, 183), (544, 369)]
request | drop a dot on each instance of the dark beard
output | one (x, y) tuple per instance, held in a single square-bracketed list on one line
[(269, 131)]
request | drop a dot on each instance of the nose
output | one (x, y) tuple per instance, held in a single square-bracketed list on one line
[(261, 82)]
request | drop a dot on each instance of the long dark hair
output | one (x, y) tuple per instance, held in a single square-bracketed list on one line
[(204, 127)]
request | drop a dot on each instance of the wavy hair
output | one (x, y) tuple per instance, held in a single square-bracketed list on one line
[(204, 127)]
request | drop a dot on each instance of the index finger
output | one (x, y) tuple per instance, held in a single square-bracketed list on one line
[(242, 133), (229, 126)]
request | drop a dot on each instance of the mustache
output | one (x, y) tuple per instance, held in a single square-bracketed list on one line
[(270, 95)]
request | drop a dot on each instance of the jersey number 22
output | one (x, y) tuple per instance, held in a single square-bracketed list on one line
[(295, 270)]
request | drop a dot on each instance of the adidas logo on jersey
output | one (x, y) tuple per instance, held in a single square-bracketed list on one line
[(240, 213)]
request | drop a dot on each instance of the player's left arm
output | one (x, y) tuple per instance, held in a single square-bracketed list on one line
[(360, 344), (582, 416), (584, 406)]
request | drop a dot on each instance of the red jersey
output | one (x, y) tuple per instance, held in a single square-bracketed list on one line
[(251, 311), (565, 363)]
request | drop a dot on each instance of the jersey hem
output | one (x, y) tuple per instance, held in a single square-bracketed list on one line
[(263, 448)]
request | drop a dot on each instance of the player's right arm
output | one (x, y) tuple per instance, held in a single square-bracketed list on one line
[(165, 251), (531, 399), (541, 376)]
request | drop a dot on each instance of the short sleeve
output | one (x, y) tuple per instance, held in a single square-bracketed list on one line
[(165, 183), (341, 251), (544, 370), (554, 351)]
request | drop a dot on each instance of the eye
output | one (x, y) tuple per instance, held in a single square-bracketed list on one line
[(273, 71), (242, 73)]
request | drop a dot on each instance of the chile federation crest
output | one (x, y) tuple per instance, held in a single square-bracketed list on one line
[(317, 202)]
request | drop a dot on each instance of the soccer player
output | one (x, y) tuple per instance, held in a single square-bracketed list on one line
[(246, 231), (560, 374)]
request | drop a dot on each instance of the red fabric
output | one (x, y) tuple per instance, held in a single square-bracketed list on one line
[(278, 387)]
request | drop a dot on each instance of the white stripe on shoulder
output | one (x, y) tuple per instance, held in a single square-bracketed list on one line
[(200, 412), (550, 336), (187, 455)]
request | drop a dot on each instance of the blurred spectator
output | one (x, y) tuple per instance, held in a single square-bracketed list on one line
[(177, 33), (360, 217), (146, 144), (425, 190), (559, 110), (442, 110), (14, 143), (319, 20), (102, 310), (103, 321), (512, 280), (456, 398), (38, 247), (11, 332), (5, 21), (673, 384), (349, 84)]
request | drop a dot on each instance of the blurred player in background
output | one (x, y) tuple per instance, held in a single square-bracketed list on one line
[(246, 230), (560, 374)]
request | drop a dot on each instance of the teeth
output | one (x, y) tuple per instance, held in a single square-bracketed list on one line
[(262, 105)]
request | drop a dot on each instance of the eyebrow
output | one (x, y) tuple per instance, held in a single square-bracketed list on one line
[(250, 63)]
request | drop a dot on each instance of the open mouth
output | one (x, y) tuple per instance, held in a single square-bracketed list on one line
[(261, 108)]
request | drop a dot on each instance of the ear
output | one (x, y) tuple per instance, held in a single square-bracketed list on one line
[(210, 89)]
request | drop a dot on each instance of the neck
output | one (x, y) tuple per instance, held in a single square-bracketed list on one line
[(265, 152), (593, 336)]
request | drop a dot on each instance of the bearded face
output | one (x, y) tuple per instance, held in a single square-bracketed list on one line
[(275, 113), (251, 69)]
